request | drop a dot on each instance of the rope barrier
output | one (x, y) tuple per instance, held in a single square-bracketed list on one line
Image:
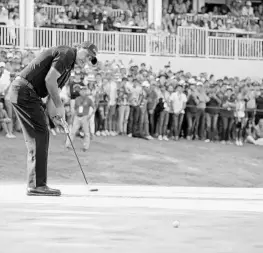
[(222, 108), (207, 107)]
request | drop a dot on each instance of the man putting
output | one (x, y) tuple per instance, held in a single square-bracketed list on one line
[(43, 77)]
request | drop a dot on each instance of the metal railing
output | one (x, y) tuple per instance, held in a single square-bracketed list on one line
[(51, 10), (189, 42)]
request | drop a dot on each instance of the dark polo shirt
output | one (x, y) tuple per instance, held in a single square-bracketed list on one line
[(212, 107), (62, 58), (74, 88)]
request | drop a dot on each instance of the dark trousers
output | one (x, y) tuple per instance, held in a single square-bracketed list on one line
[(100, 118), (177, 124), (211, 125), (134, 121), (200, 123), (228, 122), (162, 123), (151, 123), (30, 112), (191, 123), (258, 117)]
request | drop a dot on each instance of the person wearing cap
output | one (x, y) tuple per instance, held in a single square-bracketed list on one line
[(259, 104), (4, 79), (200, 116), (61, 17), (123, 108), (93, 95), (178, 104), (134, 100), (101, 105), (227, 115), (191, 111), (75, 83), (45, 76), (151, 105), (84, 107), (144, 117), (247, 9), (163, 115), (111, 89), (212, 113)]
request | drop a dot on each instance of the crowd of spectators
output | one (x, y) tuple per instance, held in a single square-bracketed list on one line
[(110, 15), (235, 16), (96, 15), (9, 13), (137, 102)]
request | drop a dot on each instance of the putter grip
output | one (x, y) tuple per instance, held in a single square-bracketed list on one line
[(65, 126)]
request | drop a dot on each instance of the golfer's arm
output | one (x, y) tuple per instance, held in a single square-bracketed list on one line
[(52, 86)]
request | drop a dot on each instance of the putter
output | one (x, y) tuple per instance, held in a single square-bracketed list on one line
[(65, 126)]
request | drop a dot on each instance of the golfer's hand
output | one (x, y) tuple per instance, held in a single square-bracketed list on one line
[(59, 118), (7, 120), (64, 124), (60, 111)]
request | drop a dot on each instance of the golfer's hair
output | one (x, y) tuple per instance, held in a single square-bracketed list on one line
[(85, 45), (76, 45)]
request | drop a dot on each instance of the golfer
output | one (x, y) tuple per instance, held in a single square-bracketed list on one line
[(43, 77)]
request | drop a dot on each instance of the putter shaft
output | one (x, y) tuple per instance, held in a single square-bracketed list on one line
[(65, 126)]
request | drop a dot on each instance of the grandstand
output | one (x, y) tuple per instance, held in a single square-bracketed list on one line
[(204, 33)]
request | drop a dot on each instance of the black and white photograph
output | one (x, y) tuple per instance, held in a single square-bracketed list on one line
[(131, 126)]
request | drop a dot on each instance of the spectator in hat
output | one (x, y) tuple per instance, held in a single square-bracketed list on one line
[(75, 84), (134, 100), (3, 14), (144, 119), (240, 120), (4, 79), (212, 114), (6, 122), (83, 109), (163, 113), (191, 111), (200, 116), (178, 104), (61, 17), (180, 7), (87, 18), (151, 105), (227, 115), (90, 83), (255, 133), (41, 18), (13, 21), (102, 107), (73, 8), (247, 9), (123, 108), (111, 89), (259, 104)]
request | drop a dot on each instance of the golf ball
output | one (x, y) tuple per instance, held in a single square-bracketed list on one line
[(176, 224)]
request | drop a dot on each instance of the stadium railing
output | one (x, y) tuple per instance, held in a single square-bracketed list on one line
[(190, 42)]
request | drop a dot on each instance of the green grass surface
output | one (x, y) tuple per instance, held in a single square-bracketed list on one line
[(121, 160)]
